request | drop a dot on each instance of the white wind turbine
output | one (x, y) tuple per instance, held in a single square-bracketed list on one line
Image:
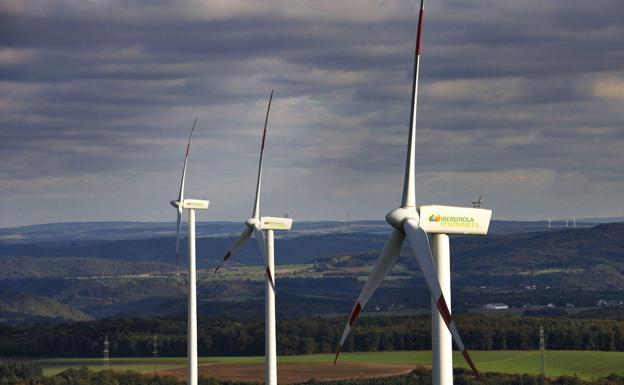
[(192, 205), (414, 222), (262, 228)]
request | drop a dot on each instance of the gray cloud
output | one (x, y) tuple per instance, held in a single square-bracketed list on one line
[(519, 101)]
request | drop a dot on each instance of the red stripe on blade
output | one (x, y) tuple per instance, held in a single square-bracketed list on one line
[(263, 137), (268, 272), (469, 361), (337, 354), (227, 256), (420, 18), (188, 147), (355, 313), (444, 311)]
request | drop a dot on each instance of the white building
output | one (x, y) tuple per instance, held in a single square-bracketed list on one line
[(495, 306)]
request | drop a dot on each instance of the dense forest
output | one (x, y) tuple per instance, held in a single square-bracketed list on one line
[(226, 337), (30, 374)]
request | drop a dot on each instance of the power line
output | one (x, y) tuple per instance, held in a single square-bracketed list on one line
[(155, 347), (106, 352)]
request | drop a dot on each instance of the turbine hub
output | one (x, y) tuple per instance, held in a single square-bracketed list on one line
[(397, 217), (175, 204), (252, 221)]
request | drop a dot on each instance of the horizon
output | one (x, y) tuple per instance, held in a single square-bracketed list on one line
[(556, 221)]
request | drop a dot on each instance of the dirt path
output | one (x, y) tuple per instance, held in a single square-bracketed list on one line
[(294, 373)]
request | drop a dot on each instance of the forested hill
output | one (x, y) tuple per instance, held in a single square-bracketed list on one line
[(299, 249), (585, 261), (556, 248), (320, 272), (29, 306), (564, 248), (508, 253)]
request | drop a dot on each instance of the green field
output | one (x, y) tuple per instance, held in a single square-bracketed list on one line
[(585, 364)]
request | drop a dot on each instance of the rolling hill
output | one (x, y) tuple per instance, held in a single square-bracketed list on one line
[(18, 306), (126, 277)]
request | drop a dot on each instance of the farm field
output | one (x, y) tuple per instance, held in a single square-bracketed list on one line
[(585, 364)]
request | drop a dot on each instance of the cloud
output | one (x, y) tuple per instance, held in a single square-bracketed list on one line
[(611, 88), (98, 97)]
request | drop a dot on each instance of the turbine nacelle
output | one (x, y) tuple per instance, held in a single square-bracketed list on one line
[(397, 217), (270, 223), (276, 223), (195, 204), (438, 219)]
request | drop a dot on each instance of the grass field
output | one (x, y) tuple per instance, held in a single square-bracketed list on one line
[(585, 364)]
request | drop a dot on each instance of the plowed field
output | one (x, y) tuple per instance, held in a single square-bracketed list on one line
[(288, 373)]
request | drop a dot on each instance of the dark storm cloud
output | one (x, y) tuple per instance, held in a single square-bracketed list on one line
[(519, 100)]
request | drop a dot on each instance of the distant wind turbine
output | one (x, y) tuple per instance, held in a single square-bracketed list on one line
[(262, 229), (191, 205), (176, 204)]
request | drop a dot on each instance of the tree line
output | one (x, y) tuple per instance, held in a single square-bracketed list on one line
[(227, 337), (419, 376)]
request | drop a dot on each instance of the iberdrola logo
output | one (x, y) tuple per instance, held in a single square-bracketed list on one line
[(434, 218)]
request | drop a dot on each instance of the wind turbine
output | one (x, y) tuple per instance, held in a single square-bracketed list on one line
[(414, 222), (262, 229), (191, 205)]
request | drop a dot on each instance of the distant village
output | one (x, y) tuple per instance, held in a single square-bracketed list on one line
[(504, 306)]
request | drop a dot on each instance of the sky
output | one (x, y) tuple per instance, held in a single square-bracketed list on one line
[(521, 102)]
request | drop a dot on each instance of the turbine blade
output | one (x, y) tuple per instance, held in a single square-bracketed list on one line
[(409, 190), (256, 210), (188, 147), (419, 243), (382, 267), (262, 247), (245, 235)]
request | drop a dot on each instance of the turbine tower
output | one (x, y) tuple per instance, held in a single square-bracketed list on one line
[(191, 205), (263, 228), (414, 223)]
